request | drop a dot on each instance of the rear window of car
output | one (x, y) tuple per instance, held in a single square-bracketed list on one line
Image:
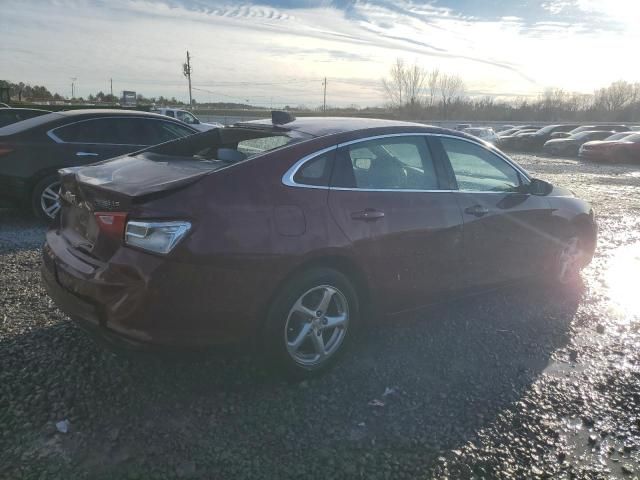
[(121, 131), (256, 146), (29, 124)]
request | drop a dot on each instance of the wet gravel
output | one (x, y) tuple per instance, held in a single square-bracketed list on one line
[(527, 382)]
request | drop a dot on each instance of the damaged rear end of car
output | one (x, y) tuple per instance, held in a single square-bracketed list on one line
[(127, 240)]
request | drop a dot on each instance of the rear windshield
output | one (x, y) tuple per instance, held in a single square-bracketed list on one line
[(618, 136), (19, 127), (230, 144), (591, 134)]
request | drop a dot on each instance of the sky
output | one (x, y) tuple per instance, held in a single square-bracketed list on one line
[(277, 52)]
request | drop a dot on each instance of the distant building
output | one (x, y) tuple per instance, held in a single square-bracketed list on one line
[(128, 99)]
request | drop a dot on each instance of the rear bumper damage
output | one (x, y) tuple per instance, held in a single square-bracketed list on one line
[(141, 300)]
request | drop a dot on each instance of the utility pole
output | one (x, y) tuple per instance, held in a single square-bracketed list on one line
[(73, 80), (186, 70), (111, 86), (324, 102)]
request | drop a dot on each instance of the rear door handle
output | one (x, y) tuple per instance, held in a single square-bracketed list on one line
[(476, 210), (368, 214), (86, 154)]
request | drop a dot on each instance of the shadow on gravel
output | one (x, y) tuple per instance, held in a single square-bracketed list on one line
[(406, 391)]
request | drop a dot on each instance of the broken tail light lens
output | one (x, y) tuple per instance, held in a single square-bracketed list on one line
[(5, 149), (111, 223), (157, 237)]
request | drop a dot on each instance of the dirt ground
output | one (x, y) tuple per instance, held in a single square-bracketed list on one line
[(526, 382)]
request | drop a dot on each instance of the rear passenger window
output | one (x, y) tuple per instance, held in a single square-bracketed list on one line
[(90, 131), (390, 163), (315, 172)]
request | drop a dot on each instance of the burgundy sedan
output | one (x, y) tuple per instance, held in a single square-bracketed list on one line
[(292, 232), (622, 148)]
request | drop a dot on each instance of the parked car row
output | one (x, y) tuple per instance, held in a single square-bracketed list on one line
[(573, 140)]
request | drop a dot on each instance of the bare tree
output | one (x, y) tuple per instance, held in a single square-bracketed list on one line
[(451, 89), (432, 84), (615, 96), (394, 86), (405, 85), (415, 78)]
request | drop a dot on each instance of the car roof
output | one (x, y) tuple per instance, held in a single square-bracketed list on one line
[(68, 115), (88, 112), (321, 126), (21, 109)]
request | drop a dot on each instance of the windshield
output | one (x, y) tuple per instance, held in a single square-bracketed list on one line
[(547, 129)]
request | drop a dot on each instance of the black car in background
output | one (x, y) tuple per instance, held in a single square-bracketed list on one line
[(569, 146), (32, 151), (13, 115), (511, 140), (535, 141)]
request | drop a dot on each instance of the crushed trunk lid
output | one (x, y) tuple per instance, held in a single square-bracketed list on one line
[(143, 174)]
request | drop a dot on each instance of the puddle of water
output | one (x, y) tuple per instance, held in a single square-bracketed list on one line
[(560, 369)]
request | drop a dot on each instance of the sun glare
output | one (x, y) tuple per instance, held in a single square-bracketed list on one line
[(622, 280)]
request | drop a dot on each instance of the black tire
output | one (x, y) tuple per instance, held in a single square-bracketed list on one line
[(278, 327), (36, 196)]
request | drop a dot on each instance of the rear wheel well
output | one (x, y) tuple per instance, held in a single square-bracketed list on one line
[(341, 264), (35, 179)]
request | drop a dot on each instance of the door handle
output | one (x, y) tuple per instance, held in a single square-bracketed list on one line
[(368, 214), (476, 210), (86, 154)]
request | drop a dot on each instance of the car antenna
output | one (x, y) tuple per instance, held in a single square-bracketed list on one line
[(280, 117)]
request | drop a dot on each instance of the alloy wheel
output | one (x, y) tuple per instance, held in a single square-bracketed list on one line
[(50, 199), (316, 325)]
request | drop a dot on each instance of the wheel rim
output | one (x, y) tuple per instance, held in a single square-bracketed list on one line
[(316, 325), (50, 199), (571, 258)]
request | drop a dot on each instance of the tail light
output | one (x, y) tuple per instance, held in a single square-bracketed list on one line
[(157, 237), (111, 223), (6, 149)]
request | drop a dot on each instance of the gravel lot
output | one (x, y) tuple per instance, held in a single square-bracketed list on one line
[(528, 382)]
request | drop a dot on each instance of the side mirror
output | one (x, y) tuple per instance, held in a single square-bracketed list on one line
[(540, 187)]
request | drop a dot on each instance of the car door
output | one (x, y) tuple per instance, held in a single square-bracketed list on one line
[(92, 140), (406, 232), (507, 231)]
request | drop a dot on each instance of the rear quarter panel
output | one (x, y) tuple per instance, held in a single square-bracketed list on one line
[(250, 232)]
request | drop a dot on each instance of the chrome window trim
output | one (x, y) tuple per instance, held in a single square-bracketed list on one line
[(287, 178), (55, 138)]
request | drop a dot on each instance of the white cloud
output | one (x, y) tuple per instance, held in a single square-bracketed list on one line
[(280, 55)]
